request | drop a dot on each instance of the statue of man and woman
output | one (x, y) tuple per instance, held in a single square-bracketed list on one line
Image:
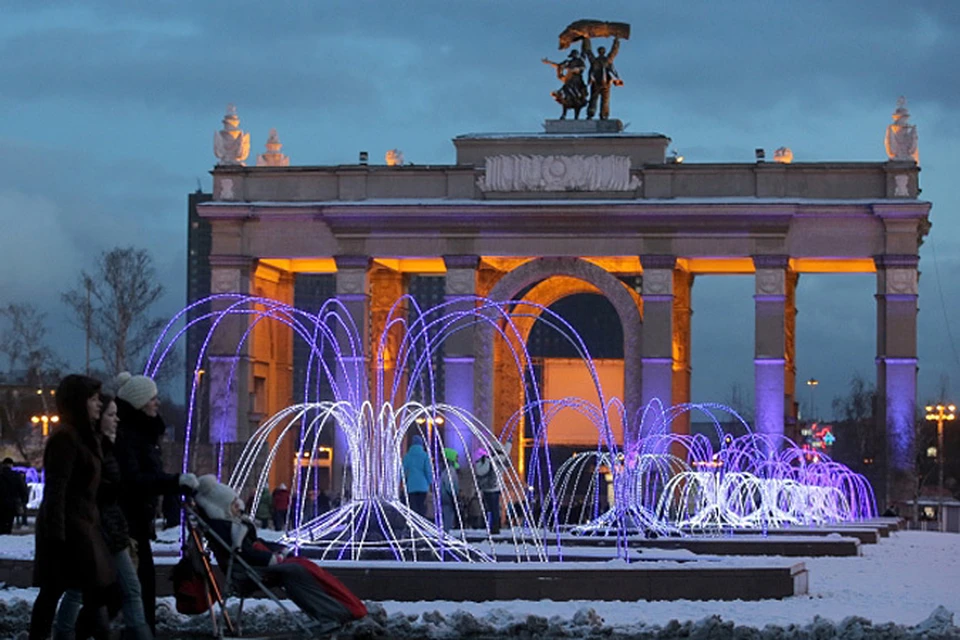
[(602, 74)]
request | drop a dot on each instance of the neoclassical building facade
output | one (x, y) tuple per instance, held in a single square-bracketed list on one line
[(547, 215)]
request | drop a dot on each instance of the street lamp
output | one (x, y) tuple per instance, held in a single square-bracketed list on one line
[(942, 414), (46, 420), (812, 384)]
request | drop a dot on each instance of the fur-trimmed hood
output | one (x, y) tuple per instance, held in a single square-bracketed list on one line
[(215, 499)]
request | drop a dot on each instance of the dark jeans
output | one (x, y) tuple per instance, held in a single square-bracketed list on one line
[(45, 606), (418, 502), (491, 506), (148, 581), (279, 520)]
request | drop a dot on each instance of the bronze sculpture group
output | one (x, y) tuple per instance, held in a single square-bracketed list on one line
[(602, 75)]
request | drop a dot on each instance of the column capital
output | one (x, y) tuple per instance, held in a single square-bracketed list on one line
[(771, 261), (461, 261), (896, 261), (352, 261), (658, 261)]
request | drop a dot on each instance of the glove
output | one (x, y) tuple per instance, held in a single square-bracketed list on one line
[(189, 481)]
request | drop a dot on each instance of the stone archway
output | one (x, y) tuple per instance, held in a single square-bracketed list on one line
[(624, 300)]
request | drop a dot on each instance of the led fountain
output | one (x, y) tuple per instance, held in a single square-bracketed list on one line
[(372, 420), (649, 484)]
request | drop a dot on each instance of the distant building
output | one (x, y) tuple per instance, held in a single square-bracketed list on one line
[(199, 243)]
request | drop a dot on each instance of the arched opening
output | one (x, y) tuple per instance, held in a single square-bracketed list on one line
[(544, 282)]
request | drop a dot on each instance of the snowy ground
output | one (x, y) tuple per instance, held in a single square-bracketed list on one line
[(900, 581)]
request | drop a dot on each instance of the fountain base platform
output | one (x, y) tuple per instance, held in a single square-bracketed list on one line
[(479, 582)]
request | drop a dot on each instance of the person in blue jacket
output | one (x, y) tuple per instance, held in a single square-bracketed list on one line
[(417, 474)]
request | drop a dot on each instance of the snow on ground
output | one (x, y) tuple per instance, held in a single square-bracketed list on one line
[(902, 580)]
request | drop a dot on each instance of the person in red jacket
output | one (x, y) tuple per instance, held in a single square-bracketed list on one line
[(281, 504)]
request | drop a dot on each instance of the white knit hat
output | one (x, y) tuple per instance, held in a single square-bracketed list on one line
[(215, 498), (137, 390)]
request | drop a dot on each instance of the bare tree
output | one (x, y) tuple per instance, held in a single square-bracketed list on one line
[(112, 306), (738, 402), (855, 413), (30, 363)]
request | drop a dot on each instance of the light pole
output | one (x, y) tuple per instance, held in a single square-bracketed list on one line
[(812, 385), (943, 414), (46, 420)]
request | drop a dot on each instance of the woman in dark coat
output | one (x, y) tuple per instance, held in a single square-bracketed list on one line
[(137, 449), (71, 552), (117, 534)]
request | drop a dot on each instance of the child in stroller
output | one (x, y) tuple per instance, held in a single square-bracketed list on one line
[(316, 592)]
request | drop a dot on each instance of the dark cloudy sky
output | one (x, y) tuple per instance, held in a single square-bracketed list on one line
[(107, 111)]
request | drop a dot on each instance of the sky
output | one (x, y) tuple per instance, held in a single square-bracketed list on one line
[(108, 109)]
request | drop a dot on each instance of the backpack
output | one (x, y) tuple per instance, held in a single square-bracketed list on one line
[(190, 584)]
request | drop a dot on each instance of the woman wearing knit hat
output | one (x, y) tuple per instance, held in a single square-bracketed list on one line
[(137, 448)]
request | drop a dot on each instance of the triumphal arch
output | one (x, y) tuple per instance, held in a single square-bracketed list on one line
[(575, 208)]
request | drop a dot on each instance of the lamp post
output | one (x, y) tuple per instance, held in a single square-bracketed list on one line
[(812, 385), (45, 420), (941, 414)]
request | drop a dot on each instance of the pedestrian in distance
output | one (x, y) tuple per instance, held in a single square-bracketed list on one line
[(488, 466), (449, 488), (281, 505), (417, 475), (14, 496)]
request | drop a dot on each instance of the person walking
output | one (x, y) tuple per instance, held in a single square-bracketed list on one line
[(14, 496), (117, 535), (449, 488), (71, 552), (137, 449), (264, 514), (488, 480), (281, 505), (417, 474)]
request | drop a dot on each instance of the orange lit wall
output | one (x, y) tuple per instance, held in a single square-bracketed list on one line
[(565, 378)]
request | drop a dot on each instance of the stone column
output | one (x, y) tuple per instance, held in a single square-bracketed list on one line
[(458, 357), (897, 370), (682, 315), (658, 329), (229, 360), (351, 372), (791, 279), (271, 357), (769, 363), (386, 287)]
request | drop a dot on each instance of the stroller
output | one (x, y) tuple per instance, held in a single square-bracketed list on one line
[(250, 566)]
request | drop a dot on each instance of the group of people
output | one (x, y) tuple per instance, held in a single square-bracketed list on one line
[(273, 508), (104, 478), (602, 75), (460, 504)]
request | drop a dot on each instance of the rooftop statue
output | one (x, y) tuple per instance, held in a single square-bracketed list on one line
[(394, 158), (230, 144), (901, 139), (602, 74), (573, 93), (273, 157)]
